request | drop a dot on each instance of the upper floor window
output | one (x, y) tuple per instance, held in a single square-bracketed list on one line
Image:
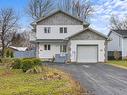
[(47, 47), (63, 29), (47, 29)]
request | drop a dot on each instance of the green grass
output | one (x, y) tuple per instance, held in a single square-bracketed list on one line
[(15, 82), (118, 62)]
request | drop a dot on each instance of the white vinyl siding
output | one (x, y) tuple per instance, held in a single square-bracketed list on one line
[(116, 42), (55, 31), (55, 49), (124, 50)]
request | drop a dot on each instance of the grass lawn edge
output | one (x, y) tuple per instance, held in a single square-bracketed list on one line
[(118, 66)]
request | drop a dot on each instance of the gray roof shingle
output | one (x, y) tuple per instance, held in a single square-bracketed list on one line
[(121, 32)]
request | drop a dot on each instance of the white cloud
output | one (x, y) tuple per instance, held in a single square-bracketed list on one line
[(103, 11)]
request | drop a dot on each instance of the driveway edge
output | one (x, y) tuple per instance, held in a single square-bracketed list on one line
[(118, 66)]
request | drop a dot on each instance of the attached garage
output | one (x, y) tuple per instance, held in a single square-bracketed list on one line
[(87, 53), (88, 46)]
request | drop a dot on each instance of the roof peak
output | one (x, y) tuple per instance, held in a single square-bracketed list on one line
[(62, 11)]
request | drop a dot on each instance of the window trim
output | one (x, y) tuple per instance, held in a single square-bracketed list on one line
[(47, 30), (47, 47), (63, 30), (63, 48)]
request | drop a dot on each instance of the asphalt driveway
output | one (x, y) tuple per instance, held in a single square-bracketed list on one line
[(100, 79)]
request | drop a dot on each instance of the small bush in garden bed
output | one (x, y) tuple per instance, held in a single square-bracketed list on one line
[(24, 64), (36, 61), (35, 70), (27, 64), (30, 63), (17, 64)]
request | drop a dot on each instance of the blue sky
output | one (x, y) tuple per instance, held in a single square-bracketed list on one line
[(99, 20), (19, 6), (104, 9)]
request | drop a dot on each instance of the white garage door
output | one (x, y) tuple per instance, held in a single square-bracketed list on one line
[(87, 54)]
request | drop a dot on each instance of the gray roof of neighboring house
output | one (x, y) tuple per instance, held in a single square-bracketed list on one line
[(57, 11), (123, 33), (19, 48)]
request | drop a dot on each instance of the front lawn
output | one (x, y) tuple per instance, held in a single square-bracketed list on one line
[(118, 62), (15, 82)]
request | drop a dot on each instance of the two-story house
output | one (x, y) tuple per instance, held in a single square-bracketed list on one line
[(61, 33), (118, 43)]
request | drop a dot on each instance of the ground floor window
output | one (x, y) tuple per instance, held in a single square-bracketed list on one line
[(47, 47), (63, 48)]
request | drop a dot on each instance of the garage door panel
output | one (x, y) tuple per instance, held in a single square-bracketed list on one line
[(87, 54)]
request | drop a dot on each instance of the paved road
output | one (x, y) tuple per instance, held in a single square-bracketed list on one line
[(99, 78)]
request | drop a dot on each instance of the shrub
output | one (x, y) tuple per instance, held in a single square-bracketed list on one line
[(27, 64), (36, 61), (24, 64), (11, 54), (116, 55), (17, 64), (35, 70)]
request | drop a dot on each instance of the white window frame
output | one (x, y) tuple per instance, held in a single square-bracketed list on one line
[(64, 30), (47, 29), (47, 47), (63, 48)]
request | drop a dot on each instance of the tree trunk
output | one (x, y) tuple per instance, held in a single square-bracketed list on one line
[(3, 49)]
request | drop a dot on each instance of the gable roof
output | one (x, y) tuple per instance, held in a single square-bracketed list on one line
[(102, 35), (123, 33), (19, 48), (60, 11)]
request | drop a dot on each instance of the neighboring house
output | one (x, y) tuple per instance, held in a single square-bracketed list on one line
[(18, 48), (22, 52), (118, 43), (61, 34)]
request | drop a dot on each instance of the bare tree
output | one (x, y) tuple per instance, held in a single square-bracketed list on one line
[(39, 8), (117, 23), (65, 5), (18, 40), (21, 39), (8, 23), (79, 8), (27, 43)]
